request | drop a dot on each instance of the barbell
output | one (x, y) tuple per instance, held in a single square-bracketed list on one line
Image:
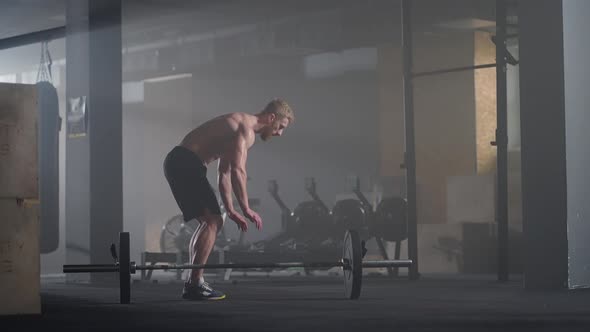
[(351, 263)]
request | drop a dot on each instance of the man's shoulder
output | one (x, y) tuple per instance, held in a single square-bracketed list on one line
[(237, 116), (243, 120), (234, 119), (240, 125)]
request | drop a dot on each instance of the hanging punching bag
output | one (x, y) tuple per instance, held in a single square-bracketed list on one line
[(48, 149)]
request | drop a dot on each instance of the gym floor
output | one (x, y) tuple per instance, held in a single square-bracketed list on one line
[(434, 303)]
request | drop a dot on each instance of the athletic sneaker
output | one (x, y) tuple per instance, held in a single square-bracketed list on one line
[(201, 292)]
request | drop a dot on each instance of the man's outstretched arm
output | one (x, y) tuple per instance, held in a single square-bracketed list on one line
[(225, 191), (237, 159), (224, 184)]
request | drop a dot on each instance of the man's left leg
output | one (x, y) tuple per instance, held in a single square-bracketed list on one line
[(191, 249), (201, 245)]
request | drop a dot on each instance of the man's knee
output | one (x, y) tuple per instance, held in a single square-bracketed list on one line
[(212, 220)]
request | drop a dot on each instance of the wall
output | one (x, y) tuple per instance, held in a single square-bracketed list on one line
[(485, 103), (134, 209)]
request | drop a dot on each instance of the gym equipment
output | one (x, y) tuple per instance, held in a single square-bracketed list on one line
[(351, 263), (282, 242), (287, 222), (319, 221), (391, 219), (350, 214), (311, 220), (310, 187), (49, 124), (388, 222)]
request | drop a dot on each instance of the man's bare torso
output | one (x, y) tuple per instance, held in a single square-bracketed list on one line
[(211, 140)]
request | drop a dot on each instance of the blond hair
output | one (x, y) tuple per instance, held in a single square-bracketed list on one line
[(280, 108)]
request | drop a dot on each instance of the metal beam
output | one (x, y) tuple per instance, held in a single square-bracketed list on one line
[(453, 70), (32, 38), (410, 145), (502, 141)]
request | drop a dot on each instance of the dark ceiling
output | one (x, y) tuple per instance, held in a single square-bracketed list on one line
[(168, 33)]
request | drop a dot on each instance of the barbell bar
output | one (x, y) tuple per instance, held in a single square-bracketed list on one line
[(351, 263), (82, 268)]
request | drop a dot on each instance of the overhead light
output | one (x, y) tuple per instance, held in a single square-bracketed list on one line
[(336, 63), (167, 78), (467, 24)]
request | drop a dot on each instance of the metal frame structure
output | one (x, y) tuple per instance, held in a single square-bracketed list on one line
[(410, 139), (502, 140), (501, 134), (33, 37)]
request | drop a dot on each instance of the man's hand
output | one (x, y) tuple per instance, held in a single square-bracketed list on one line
[(239, 220), (254, 217)]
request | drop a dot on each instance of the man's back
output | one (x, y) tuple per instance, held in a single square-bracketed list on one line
[(217, 136)]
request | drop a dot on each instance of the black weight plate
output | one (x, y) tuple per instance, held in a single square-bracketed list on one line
[(353, 273)]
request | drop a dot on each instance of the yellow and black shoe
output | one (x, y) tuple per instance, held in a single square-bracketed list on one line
[(202, 292)]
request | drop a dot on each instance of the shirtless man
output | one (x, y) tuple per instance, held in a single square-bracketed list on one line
[(226, 138)]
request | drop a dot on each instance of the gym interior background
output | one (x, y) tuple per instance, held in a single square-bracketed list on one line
[(340, 66), (185, 63)]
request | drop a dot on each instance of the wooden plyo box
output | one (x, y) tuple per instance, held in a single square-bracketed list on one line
[(19, 257), (18, 141), (19, 201)]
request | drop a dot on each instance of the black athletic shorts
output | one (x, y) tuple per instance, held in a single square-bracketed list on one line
[(187, 177)]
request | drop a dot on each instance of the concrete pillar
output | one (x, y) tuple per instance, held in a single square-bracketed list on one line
[(94, 213), (576, 46), (553, 84)]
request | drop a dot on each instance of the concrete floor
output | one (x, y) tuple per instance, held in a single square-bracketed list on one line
[(434, 303)]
